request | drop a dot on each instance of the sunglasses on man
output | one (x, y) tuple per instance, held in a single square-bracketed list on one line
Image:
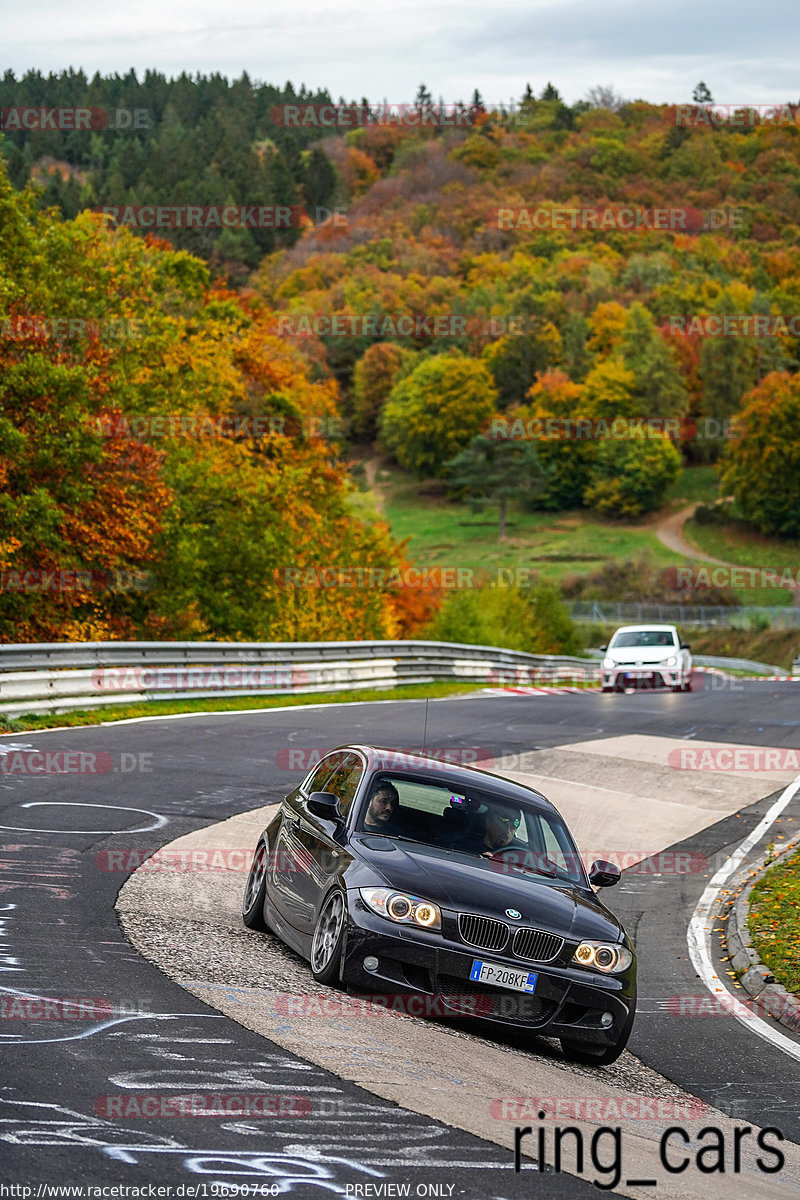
[(513, 821)]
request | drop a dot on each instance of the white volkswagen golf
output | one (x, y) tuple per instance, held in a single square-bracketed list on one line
[(652, 655)]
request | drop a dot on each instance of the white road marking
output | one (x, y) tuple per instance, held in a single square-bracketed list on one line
[(697, 933), (159, 820)]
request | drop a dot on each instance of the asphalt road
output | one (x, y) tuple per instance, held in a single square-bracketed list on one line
[(64, 1079)]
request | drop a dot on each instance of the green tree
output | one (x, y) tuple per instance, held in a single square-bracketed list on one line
[(555, 405), (631, 476), (659, 389), (576, 357), (761, 465), (436, 410), (318, 180), (494, 471), (374, 376), (610, 391), (516, 358)]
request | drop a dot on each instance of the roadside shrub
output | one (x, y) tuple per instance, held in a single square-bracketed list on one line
[(533, 619), (640, 579)]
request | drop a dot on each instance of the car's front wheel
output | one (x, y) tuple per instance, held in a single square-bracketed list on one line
[(255, 890), (326, 945), (579, 1052)]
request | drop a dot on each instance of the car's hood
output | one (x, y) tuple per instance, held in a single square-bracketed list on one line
[(641, 654), (470, 884)]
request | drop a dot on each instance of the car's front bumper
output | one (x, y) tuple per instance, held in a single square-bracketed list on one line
[(568, 1001), (649, 674)]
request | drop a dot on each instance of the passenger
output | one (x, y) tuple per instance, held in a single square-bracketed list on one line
[(381, 815)]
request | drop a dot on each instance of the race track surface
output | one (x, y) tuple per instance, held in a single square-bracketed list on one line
[(72, 1070)]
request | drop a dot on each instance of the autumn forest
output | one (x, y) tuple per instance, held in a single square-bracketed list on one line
[(180, 406)]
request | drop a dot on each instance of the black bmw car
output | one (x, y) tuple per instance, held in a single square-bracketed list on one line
[(396, 873)]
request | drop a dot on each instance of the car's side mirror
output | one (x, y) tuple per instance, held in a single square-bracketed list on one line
[(604, 874), (325, 805), (604, 647), (685, 646)]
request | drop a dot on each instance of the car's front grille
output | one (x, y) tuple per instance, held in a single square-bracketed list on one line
[(482, 932), (537, 945)]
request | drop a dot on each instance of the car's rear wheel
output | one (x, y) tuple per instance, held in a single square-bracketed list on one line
[(255, 890), (326, 945), (579, 1052)]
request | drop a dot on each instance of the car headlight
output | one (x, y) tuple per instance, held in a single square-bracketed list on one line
[(402, 908), (608, 957), (608, 663), (670, 662)]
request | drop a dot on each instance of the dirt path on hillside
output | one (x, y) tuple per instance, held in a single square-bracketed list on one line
[(371, 471), (669, 532)]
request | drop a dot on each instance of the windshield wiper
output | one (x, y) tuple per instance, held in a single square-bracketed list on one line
[(396, 837), (531, 870)]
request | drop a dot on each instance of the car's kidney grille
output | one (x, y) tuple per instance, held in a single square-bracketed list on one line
[(482, 932), (537, 945)]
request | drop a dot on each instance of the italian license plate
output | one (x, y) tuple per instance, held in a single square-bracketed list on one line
[(518, 981)]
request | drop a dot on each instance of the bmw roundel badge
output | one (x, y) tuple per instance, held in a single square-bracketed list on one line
[(512, 912)]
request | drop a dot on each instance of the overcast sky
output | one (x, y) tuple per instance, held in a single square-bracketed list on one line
[(658, 50)]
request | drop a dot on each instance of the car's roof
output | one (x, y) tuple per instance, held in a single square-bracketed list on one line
[(645, 629), (401, 762)]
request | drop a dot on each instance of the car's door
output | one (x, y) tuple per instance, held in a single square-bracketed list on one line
[(291, 860), (322, 841)]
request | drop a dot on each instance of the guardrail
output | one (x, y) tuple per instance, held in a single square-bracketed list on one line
[(732, 617), (737, 664), (60, 676)]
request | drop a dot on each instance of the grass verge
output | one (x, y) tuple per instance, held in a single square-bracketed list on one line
[(774, 921)]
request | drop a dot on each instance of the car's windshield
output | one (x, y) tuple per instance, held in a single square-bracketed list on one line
[(517, 838), (642, 637)]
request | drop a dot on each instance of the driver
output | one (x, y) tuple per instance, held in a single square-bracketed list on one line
[(500, 826), (502, 823), (381, 814)]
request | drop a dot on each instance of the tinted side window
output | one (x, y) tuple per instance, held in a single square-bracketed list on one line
[(316, 780), (344, 781)]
